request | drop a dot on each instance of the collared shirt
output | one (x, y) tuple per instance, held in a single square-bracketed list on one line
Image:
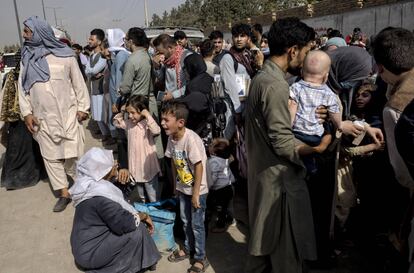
[(309, 97)]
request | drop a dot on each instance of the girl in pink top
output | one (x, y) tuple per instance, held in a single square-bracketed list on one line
[(143, 162)]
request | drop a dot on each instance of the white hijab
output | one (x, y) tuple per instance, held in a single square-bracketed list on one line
[(115, 39), (93, 166)]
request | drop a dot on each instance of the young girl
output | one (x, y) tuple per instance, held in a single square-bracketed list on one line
[(143, 163), (364, 159)]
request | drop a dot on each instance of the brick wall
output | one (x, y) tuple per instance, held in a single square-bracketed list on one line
[(322, 8)]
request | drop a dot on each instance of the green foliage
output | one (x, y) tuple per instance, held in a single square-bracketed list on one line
[(207, 13), (11, 48)]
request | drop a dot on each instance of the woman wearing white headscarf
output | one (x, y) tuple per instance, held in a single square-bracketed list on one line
[(119, 56), (53, 100), (108, 234)]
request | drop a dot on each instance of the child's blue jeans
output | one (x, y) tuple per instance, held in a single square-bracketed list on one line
[(193, 223)]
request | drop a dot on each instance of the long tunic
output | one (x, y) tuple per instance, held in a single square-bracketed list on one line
[(55, 104), (142, 155), (280, 212), (106, 239)]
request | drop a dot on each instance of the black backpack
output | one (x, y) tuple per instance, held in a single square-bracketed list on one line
[(217, 59)]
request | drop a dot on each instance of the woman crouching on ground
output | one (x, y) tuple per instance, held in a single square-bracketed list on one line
[(108, 234)]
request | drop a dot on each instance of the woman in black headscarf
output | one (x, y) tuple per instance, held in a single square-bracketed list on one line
[(23, 164), (197, 94), (349, 67)]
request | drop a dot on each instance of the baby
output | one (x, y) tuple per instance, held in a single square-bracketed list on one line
[(310, 93)]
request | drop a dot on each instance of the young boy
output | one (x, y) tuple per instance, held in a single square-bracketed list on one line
[(221, 178), (189, 158), (307, 95)]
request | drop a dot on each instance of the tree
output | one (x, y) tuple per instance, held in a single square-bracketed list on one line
[(207, 13), (156, 20)]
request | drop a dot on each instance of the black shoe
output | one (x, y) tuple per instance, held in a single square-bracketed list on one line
[(61, 204)]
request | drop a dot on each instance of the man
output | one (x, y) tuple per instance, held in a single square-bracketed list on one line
[(82, 60), (94, 70), (78, 50), (280, 215), (171, 70), (217, 37), (136, 80), (393, 50), (54, 101), (181, 38), (257, 32), (236, 67)]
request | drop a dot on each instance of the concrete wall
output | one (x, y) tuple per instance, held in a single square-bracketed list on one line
[(345, 16), (370, 20)]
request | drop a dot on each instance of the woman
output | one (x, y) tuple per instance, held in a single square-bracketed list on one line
[(23, 164), (108, 234), (197, 93)]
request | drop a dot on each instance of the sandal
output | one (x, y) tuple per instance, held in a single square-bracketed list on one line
[(175, 257), (195, 269)]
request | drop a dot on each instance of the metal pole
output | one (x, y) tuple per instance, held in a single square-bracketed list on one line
[(54, 12), (44, 12), (146, 13), (18, 23)]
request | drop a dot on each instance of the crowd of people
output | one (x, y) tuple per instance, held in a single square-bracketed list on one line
[(313, 132)]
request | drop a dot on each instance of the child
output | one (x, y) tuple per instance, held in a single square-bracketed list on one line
[(307, 95), (189, 158), (310, 93), (221, 178), (363, 162), (143, 162)]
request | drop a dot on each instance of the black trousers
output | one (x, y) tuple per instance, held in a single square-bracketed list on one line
[(220, 200)]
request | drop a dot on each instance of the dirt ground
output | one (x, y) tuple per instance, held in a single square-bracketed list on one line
[(36, 240)]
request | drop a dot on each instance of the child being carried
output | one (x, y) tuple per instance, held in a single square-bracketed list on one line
[(306, 96)]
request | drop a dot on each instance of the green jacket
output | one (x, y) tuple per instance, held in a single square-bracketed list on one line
[(280, 212)]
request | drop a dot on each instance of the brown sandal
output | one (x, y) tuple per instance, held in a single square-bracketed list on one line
[(175, 257), (195, 269)]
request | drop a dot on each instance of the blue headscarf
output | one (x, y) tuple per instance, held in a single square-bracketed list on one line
[(43, 42)]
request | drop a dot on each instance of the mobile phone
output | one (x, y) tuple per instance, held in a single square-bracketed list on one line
[(160, 95)]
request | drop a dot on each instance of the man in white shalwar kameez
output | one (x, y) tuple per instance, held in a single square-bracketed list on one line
[(54, 100)]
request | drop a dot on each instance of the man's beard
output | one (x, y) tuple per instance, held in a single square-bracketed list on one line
[(295, 71)]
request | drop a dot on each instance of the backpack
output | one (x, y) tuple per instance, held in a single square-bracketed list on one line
[(217, 59)]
